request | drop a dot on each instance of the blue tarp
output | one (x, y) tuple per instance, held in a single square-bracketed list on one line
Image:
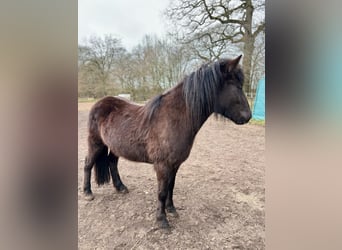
[(324, 86), (259, 102)]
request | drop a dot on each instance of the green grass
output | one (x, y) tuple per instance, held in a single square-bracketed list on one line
[(257, 122), (86, 99)]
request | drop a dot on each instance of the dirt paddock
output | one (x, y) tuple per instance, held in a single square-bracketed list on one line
[(219, 194)]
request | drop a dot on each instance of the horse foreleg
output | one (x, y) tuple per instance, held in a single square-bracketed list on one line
[(170, 208), (113, 166), (163, 177)]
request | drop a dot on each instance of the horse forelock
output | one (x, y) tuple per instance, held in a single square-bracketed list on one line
[(200, 90)]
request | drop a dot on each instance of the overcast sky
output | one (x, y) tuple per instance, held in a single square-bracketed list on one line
[(129, 20)]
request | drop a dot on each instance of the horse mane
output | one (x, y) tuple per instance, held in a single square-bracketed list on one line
[(150, 107), (200, 89)]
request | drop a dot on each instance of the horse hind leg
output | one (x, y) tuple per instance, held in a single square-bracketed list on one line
[(113, 166), (94, 150)]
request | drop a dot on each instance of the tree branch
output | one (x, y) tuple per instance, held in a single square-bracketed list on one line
[(260, 28)]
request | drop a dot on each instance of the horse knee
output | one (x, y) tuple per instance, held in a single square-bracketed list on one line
[(162, 195)]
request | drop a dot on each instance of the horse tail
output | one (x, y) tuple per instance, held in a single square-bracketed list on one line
[(102, 173), (97, 113)]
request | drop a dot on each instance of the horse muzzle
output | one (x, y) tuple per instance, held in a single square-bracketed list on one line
[(243, 118)]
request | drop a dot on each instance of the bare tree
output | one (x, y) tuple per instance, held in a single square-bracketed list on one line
[(153, 65), (97, 59), (258, 63), (215, 27)]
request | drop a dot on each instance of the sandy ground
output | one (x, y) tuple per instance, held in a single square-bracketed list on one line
[(219, 194)]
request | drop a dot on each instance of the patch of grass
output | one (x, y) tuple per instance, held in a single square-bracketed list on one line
[(257, 122), (86, 99)]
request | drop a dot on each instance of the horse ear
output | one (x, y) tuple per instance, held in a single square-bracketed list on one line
[(234, 63)]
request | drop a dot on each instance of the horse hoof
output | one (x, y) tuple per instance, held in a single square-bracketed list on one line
[(89, 197), (172, 212), (163, 224), (122, 190)]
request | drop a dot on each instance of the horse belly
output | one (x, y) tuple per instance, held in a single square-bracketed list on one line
[(133, 151), (171, 151), (124, 139)]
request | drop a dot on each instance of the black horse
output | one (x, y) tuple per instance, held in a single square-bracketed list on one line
[(162, 132)]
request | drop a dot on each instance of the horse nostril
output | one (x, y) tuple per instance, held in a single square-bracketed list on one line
[(246, 115)]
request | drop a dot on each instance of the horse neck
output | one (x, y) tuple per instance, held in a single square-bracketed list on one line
[(194, 125)]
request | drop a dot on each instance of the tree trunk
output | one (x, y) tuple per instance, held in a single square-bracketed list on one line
[(248, 47), (247, 64)]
